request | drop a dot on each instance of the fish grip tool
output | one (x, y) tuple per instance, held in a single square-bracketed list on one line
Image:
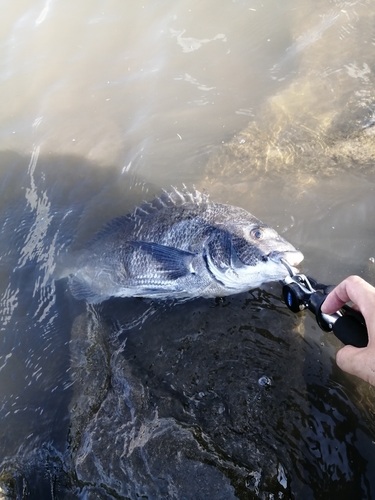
[(301, 292)]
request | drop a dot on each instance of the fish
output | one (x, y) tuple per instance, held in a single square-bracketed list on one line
[(180, 245)]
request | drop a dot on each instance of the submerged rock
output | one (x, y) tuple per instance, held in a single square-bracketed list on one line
[(322, 123), (165, 425)]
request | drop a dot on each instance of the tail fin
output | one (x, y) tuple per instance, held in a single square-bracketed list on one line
[(66, 264)]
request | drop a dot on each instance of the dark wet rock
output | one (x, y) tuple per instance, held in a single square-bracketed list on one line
[(91, 374), (166, 426), (181, 409)]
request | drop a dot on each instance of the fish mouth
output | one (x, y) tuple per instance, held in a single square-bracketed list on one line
[(292, 257)]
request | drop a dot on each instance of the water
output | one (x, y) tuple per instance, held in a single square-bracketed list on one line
[(266, 105)]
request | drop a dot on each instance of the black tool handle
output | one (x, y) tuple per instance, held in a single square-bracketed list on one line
[(350, 330), (347, 324)]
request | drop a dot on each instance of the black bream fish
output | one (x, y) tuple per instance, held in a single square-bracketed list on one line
[(180, 245)]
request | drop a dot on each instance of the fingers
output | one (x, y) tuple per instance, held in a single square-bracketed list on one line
[(346, 359), (359, 362), (353, 289)]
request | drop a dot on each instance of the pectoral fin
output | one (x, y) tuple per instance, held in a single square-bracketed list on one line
[(175, 263)]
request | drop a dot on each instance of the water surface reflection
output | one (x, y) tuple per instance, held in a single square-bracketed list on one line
[(267, 106)]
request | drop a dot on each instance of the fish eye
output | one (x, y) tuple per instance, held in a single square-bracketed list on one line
[(256, 233)]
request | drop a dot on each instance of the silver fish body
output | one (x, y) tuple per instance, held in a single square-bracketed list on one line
[(180, 245)]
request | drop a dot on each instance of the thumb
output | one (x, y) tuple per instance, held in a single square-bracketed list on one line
[(349, 359), (357, 361)]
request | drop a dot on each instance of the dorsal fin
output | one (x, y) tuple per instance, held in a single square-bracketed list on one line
[(167, 199), (173, 198)]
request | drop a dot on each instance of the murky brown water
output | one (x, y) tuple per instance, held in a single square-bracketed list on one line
[(267, 105)]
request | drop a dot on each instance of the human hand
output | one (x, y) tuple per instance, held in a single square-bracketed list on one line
[(357, 361)]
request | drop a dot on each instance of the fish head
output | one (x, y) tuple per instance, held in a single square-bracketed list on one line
[(248, 254), (258, 251)]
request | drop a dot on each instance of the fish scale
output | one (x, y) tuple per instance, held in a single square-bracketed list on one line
[(179, 245)]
